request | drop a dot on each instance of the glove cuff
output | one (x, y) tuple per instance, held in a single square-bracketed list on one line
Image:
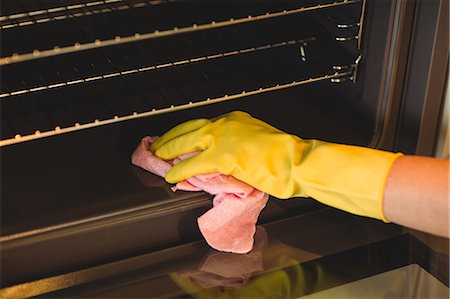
[(346, 177)]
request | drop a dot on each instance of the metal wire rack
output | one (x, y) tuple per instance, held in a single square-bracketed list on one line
[(163, 88), (124, 81), (108, 62), (99, 32), (148, 68), (58, 13)]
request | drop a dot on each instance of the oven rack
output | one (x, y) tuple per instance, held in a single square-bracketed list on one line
[(172, 108), (75, 10), (191, 83), (103, 63), (89, 42), (164, 65)]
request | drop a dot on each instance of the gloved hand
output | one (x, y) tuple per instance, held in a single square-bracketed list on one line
[(347, 177)]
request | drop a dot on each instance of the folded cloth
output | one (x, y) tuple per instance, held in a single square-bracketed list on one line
[(231, 224)]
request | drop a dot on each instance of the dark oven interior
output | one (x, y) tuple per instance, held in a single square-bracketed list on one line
[(96, 63), (84, 81)]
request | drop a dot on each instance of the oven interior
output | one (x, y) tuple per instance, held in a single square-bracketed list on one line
[(84, 81), (97, 63)]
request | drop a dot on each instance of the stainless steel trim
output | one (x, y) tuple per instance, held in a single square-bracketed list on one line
[(394, 68), (443, 139), (361, 24), (435, 88)]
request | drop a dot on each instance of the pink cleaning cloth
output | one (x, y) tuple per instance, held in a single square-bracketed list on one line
[(231, 224)]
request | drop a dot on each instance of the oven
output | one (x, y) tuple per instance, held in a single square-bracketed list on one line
[(82, 81)]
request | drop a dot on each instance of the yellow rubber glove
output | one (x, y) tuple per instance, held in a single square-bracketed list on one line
[(346, 177), (275, 284)]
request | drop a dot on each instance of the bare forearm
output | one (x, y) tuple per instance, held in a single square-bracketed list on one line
[(417, 194)]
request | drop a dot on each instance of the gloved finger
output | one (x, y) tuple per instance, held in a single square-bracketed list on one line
[(187, 143), (181, 129), (198, 164), (233, 115), (246, 118)]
